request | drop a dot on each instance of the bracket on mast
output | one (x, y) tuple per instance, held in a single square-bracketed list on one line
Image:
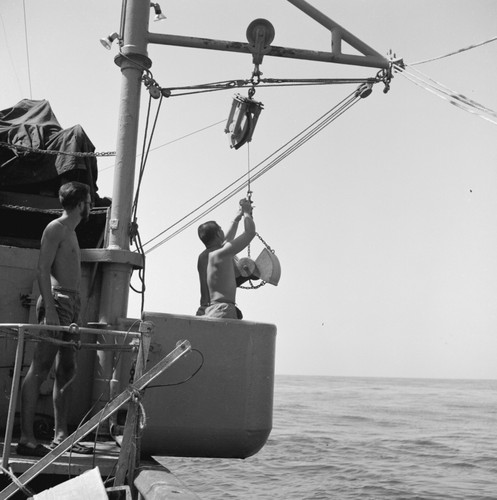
[(369, 57)]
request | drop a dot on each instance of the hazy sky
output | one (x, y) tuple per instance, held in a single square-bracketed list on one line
[(385, 223)]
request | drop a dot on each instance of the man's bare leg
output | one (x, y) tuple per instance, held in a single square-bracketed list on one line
[(41, 364), (65, 372)]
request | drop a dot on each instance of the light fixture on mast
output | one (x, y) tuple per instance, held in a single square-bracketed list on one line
[(107, 41), (159, 16)]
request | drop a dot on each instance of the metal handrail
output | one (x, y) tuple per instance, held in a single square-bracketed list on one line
[(23, 331), (73, 328), (182, 348)]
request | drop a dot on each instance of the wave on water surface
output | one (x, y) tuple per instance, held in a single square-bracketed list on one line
[(336, 438)]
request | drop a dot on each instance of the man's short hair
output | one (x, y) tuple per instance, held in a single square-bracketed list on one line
[(72, 193), (208, 231)]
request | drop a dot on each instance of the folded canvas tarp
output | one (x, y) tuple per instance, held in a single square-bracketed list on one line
[(33, 124)]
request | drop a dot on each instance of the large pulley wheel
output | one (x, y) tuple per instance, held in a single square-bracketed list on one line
[(247, 267), (258, 27)]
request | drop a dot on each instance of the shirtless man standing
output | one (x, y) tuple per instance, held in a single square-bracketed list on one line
[(59, 279), (216, 266)]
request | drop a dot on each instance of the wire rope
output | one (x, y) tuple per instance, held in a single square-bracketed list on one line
[(27, 48), (291, 146), (239, 188), (249, 191), (440, 90), (134, 232), (6, 42), (264, 82), (460, 51), (173, 141)]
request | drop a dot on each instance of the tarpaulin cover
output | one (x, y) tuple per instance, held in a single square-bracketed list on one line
[(33, 124)]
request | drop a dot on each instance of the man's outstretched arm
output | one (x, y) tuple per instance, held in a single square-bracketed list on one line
[(242, 241), (233, 228)]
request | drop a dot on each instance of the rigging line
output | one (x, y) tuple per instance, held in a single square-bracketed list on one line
[(136, 237), (299, 143), (204, 91), (249, 192), (282, 156), (309, 136), (452, 93), (318, 126), (242, 176), (214, 85), (141, 273), (316, 81), (188, 135), (416, 73), (458, 100), (282, 83), (231, 84), (140, 174), (145, 154), (236, 190), (217, 204), (455, 52), (234, 182), (122, 23), (194, 220), (452, 101), (442, 89), (10, 56), (171, 142), (27, 48)]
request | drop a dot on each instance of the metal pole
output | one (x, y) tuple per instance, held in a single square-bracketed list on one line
[(130, 444), (13, 397), (132, 60)]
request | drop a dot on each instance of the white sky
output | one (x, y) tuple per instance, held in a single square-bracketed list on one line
[(384, 223)]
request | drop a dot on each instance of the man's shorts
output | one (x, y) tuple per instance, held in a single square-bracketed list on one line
[(68, 306), (223, 310)]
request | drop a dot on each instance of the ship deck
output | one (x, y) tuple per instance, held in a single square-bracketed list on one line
[(105, 458)]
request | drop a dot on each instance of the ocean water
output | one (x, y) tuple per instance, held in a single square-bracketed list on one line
[(364, 438)]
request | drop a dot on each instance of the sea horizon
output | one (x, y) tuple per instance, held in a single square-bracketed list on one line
[(386, 377)]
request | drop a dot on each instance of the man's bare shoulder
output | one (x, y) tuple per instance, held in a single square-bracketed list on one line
[(220, 253), (55, 230), (227, 250)]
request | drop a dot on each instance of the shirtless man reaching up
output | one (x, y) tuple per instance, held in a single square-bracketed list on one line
[(216, 266), (59, 279)]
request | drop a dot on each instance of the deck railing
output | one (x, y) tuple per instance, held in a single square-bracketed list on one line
[(129, 453)]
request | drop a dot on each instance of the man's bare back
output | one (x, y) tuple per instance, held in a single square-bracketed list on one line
[(221, 276)]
